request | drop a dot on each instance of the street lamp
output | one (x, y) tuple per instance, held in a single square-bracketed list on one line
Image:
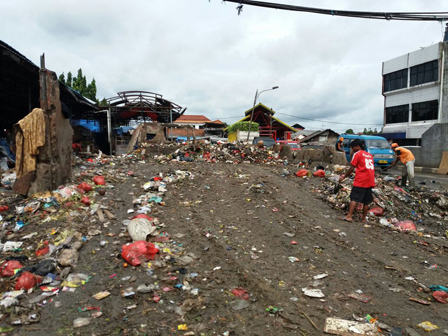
[(257, 95)]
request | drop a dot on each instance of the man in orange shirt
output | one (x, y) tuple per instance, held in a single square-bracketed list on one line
[(407, 158), (340, 145)]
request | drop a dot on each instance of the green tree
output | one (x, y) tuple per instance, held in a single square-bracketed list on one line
[(349, 131), (103, 102), (84, 91), (62, 78), (365, 131), (375, 131), (79, 83), (69, 79), (91, 90)]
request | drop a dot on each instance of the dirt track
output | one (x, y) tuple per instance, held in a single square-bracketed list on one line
[(240, 240)]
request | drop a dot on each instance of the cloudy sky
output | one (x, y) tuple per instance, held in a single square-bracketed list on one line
[(202, 55)]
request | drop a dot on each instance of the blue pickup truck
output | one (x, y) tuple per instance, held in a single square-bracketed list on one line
[(378, 146)]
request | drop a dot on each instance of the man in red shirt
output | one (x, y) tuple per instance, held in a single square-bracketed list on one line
[(364, 180)]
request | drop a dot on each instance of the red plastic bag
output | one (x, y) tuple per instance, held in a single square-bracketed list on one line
[(139, 251), (440, 296), (241, 293), (26, 281), (8, 268), (85, 186), (85, 200), (302, 173), (43, 250), (376, 211), (99, 180), (319, 173), (406, 226), (143, 216)]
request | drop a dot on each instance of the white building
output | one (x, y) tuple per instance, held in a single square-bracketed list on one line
[(414, 87)]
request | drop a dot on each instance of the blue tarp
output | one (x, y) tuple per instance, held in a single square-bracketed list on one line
[(91, 125), (5, 147)]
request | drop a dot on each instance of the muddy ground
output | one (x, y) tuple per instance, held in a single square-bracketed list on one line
[(242, 237)]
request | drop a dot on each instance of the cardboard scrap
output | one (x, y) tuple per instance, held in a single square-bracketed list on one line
[(337, 326)]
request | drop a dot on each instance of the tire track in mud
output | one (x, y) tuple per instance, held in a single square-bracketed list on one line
[(376, 266), (236, 273), (358, 266)]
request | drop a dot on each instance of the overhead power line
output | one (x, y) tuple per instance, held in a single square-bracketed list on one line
[(328, 121), (309, 119), (409, 16)]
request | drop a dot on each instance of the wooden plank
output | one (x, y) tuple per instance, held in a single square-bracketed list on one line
[(134, 139), (443, 168)]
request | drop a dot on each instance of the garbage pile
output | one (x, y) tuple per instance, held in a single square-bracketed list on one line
[(228, 153), (422, 209), (43, 238), (7, 179)]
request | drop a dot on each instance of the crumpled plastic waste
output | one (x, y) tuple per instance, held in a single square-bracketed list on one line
[(27, 281), (139, 251), (140, 229)]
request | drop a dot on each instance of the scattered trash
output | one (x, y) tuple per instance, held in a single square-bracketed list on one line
[(406, 226), (8, 268), (315, 293), (427, 326), (336, 326), (138, 251), (81, 322), (101, 295), (240, 305), (99, 180), (76, 280), (140, 228), (423, 302), (376, 211), (302, 173), (182, 327), (240, 292), (360, 297), (273, 310), (319, 173), (27, 281), (440, 296)]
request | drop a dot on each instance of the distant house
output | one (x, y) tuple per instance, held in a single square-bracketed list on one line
[(327, 136), (302, 134), (197, 121), (270, 126), (215, 128), (298, 127)]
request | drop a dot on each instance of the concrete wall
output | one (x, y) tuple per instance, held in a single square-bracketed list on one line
[(434, 142), (54, 161), (322, 154), (323, 139), (417, 151), (444, 99)]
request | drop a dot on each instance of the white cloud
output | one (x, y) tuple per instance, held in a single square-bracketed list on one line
[(202, 55)]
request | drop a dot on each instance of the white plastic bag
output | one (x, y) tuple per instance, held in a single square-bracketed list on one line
[(140, 228)]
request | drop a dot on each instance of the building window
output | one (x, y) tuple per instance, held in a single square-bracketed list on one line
[(397, 114), (425, 111), (425, 73), (396, 80)]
